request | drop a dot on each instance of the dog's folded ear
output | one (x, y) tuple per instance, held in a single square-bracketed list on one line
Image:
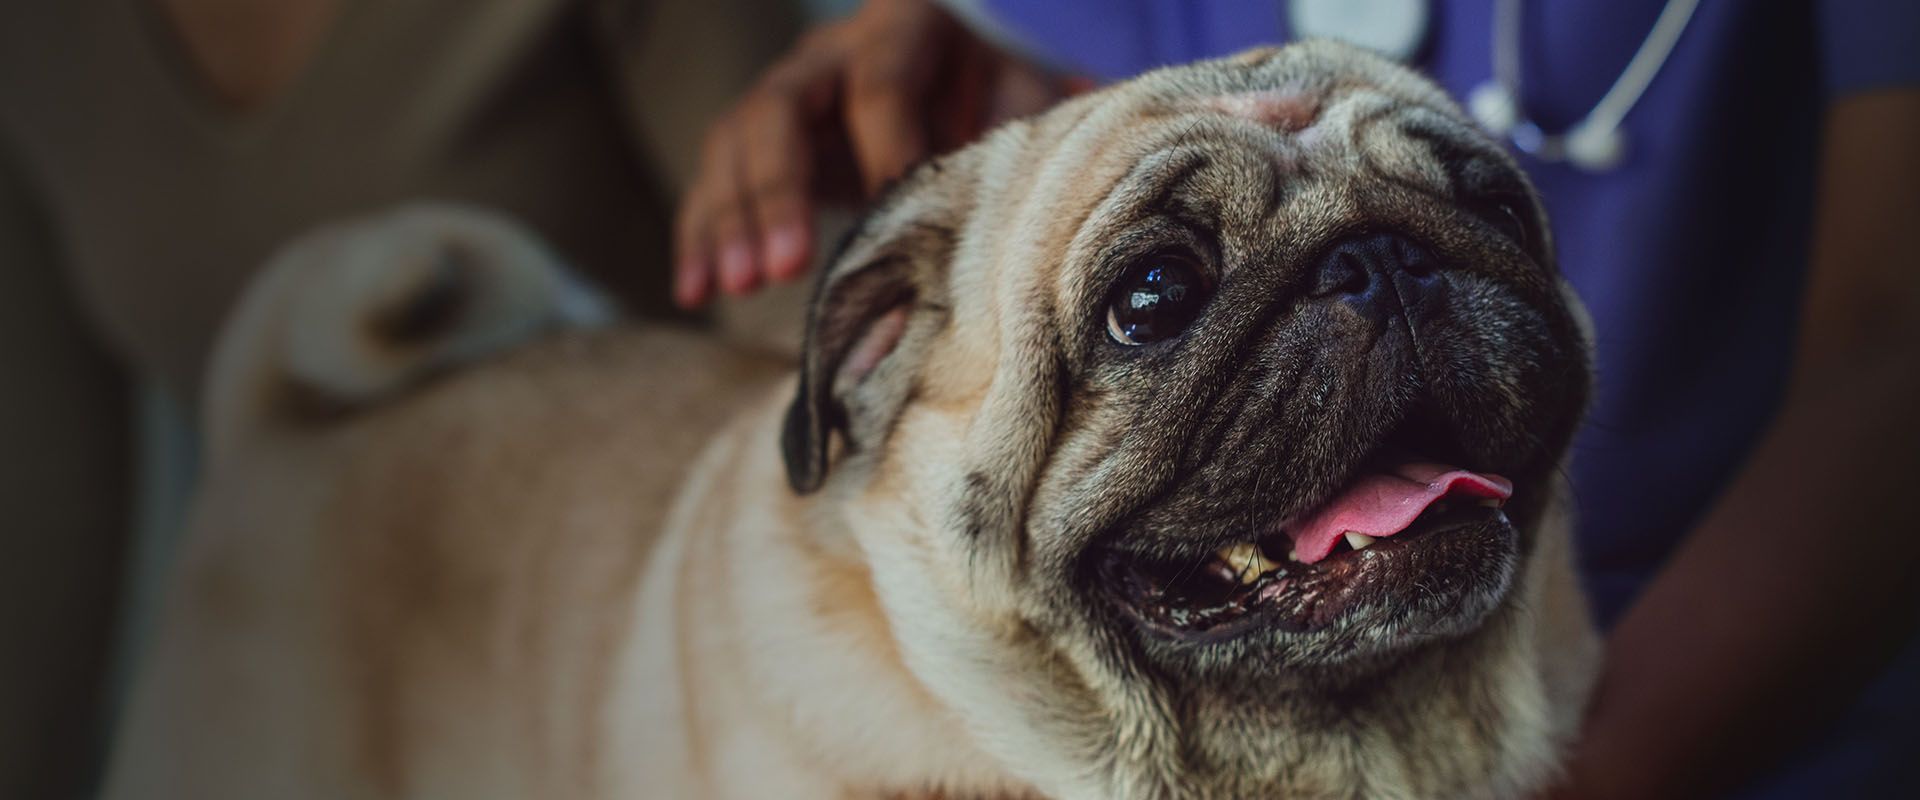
[(876, 301)]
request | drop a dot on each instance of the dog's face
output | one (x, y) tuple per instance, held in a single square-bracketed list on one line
[(1116, 384)]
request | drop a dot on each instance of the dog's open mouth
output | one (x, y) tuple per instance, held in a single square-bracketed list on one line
[(1402, 532)]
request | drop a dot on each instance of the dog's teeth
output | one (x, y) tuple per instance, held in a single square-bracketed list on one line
[(1358, 540), (1247, 559), (1491, 502), (1219, 571), (1293, 555)]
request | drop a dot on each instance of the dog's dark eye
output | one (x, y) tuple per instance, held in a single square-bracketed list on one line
[(1156, 299), (1505, 217)]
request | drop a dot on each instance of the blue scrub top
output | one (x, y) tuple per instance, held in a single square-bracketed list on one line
[(1691, 255)]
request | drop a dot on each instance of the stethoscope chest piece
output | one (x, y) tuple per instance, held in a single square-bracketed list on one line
[(1399, 28), (1596, 143), (1588, 145)]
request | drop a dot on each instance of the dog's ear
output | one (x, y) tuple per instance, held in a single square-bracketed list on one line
[(878, 298)]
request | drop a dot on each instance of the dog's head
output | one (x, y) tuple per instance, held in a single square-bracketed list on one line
[(1201, 433)]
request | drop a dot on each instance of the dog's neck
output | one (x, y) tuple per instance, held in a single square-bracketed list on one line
[(785, 679)]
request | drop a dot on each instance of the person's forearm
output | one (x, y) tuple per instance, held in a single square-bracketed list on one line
[(1777, 609), (1805, 576)]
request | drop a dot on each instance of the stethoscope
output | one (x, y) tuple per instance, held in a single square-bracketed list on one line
[(1596, 143)]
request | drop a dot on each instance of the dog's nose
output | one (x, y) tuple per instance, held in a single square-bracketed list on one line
[(1381, 275)]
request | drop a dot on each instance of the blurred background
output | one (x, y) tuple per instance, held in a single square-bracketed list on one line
[(155, 153)]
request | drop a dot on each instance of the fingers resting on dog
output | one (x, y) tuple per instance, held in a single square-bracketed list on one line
[(846, 111)]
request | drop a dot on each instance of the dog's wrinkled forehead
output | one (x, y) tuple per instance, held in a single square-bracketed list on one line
[(1316, 112), (1280, 147)]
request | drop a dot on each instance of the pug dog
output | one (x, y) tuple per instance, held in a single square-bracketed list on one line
[(1197, 438)]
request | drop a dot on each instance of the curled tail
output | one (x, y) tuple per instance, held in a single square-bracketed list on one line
[(353, 313)]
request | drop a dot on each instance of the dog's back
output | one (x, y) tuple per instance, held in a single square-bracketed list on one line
[(405, 580)]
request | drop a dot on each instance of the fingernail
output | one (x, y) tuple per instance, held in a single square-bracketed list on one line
[(785, 249), (736, 267), (686, 284)]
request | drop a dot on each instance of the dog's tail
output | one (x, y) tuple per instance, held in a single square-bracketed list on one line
[(356, 312)]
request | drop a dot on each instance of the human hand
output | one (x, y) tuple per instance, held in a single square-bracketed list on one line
[(849, 108)]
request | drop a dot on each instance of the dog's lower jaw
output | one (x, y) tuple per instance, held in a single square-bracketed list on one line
[(1125, 760), (1422, 730), (760, 664), (1520, 703)]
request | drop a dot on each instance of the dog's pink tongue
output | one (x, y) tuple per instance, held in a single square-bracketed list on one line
[(1383, 504)]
